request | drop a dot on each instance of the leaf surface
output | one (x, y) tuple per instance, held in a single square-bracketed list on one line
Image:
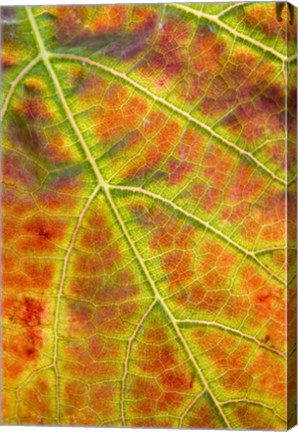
[(149, 215)]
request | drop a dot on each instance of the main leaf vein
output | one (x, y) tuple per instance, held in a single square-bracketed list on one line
[(107, 190), (110, 201)]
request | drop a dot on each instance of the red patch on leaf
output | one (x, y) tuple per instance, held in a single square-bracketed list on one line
[(34, 109), (167, 54), (19, 172), (177, 380), (178, 171), (41, 233)]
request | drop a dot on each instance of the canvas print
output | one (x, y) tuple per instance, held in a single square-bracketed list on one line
[(149, 215)]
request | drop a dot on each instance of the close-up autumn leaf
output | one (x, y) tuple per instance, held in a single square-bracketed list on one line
[(149, 215)]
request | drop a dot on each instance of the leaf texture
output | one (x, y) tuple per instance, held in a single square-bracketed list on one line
[(149, 202)]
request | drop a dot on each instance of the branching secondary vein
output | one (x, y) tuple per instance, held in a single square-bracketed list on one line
[(111, 203), (215, 19), (108, 194), (172, 107), (249, 253)]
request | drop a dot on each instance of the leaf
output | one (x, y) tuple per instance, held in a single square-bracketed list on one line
[(149, 202)]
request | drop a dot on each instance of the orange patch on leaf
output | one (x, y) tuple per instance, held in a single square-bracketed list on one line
[(217, 166), (265, 20), (25, 348), (40, 273), (98, 235), (179, 266), (162, 136), (216, 265), (170, 233), (237, 379), (76, 393), (151, 398), (119, 114), (102, 348), (270, 375), (206, 299), (102, 399), (111, 19), (245, 185), (43, 407)]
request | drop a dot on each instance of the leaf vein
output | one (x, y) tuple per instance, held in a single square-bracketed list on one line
[(129, 346), (110, 200), (232, 330), (107, 189), (215, 19), (210, 227), (15, 83), (172, 107)]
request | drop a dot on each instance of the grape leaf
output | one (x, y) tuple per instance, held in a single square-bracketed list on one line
[(149, 202)]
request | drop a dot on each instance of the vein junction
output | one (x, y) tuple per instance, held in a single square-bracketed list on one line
[(107, 192)]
